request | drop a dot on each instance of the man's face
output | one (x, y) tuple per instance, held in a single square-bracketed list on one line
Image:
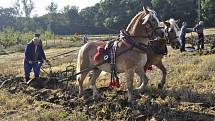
[(36, 41)]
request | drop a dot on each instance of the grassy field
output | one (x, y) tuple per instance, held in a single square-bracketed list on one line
[(188, 95)]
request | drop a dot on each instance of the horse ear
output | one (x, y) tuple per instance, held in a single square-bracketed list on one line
[(146, 18), (146, 10), (177, 21), (167, 23)]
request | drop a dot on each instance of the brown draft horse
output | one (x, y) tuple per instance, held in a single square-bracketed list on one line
[(140, 29), (171, 35)]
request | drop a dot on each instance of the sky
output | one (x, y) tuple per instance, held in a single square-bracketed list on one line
[(40, 5)]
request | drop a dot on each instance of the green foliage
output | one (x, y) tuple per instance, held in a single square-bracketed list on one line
[(75, 38), (48, 35), (208, 11), (8, 37), (63, 114), (108, 16)]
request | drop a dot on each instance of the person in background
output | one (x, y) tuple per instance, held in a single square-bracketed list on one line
[(85, 38), (182, 35), (199, 29), (34, 57)]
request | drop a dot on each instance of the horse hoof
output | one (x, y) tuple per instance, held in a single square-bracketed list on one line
[(79, 96), (96, 96), (131, 103), (160, 86)]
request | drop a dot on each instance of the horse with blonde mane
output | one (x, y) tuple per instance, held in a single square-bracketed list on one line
[(139, 31)]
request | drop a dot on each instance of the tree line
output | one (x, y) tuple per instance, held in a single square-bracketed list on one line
[(108, 16)]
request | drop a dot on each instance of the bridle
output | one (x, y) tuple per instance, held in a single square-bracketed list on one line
[(148, 24)]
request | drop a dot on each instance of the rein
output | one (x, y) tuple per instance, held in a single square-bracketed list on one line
[(150, 36), (130, 42)]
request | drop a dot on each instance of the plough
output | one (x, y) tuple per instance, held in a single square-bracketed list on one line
[(60, 76)]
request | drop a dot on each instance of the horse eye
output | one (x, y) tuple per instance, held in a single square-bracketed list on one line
[(170, 30)]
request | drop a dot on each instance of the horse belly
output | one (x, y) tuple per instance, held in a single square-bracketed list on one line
[(125, 62), (131, 62)]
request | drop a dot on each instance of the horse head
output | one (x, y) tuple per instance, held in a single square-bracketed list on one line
[(143, 25), (172, 32)]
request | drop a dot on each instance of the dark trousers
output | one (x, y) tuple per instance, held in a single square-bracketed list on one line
[(182, 42), (28, 67), (201, 41)]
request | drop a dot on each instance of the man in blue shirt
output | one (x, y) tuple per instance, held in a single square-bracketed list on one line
[(182, 35), (34, 57), (199, 29)]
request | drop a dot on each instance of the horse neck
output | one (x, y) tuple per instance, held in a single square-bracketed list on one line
[(133, 28)]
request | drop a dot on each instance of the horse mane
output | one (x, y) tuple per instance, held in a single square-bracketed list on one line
[(133, 21), (174, 24)]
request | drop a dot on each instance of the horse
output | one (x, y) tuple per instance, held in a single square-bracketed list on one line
[(139, 31), (170, 35), (172, 32)]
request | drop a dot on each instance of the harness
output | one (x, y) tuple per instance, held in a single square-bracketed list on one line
[(130, 42), (111, 49), (114, 78)]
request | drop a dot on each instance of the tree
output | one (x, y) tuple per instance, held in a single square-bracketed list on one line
[(6, 17), (28, 6), (162, 8), (208, 12), (9, 12), (52, 10), (17, 8)]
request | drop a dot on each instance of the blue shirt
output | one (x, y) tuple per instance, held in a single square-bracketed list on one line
[(199, 28), (183, 32), (32, 55)]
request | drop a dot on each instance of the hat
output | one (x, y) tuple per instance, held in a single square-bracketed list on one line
[(201, 22), (36, 35)]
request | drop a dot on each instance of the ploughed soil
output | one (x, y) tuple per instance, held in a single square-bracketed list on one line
[(112, 103)]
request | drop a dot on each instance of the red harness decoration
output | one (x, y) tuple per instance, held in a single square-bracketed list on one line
[(114, 83), (148, 68), (100, 50)]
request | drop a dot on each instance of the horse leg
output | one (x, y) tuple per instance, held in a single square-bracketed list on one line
[(144, 79), (82, 63), (129, 81), (137, 71), (80, 79), (163, 69), (93, 76)]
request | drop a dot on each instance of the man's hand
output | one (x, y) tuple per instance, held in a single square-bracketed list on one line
[(30, 62)]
